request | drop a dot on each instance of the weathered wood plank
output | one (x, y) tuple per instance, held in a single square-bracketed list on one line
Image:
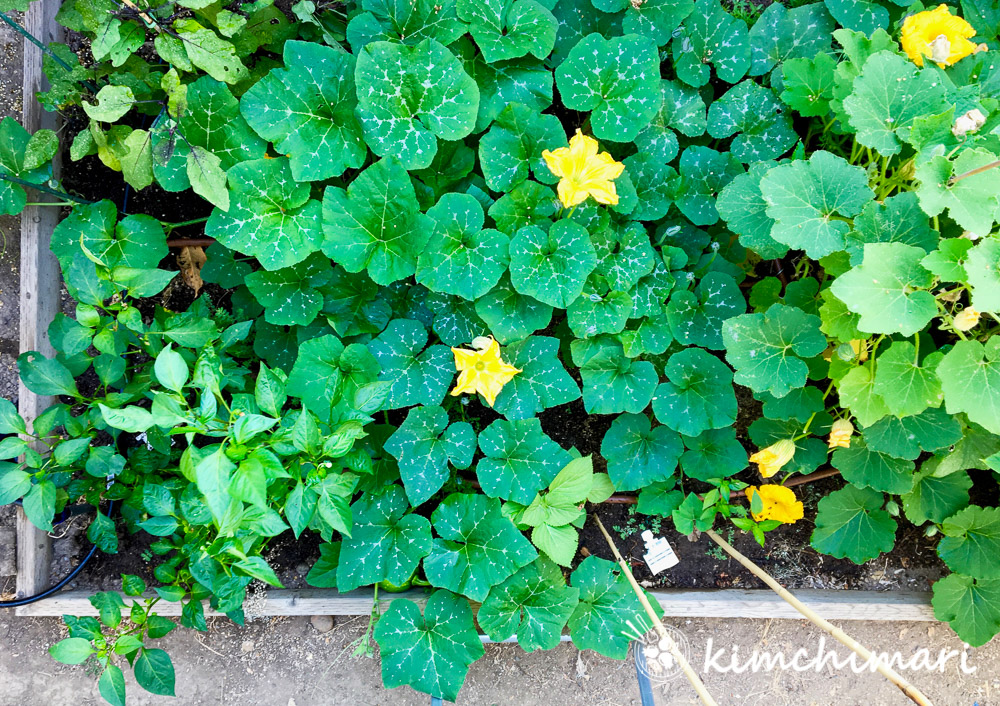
[(833, 605), (40, 282)]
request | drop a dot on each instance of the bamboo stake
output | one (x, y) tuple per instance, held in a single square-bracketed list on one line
[(911, 691), (692, 676)]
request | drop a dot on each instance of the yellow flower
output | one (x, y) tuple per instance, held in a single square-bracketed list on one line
[(583, 172), (840, 434), (967, 319), (481, 370), (937, 35), (779, 504), (771, 459)]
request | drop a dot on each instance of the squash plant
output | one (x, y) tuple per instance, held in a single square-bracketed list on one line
[(623, 208)]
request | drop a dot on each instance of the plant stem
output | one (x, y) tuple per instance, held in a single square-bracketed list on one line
[(49, 203), (973, 172), (167, 224), (692, 676), (911, 691), (44, 189)]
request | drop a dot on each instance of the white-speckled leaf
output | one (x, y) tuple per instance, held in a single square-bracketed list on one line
[(542, 383), (424, 444), (710, 35), (508, 29), (418, 376), (291, 295), (519, 459), (755, 115)]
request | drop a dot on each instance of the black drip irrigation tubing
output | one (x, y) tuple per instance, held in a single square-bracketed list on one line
[(17, 602)]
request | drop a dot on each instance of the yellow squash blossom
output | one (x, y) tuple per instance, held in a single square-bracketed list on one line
[(840, 434), (779, 504), (967, 319), (771, 459), (481, 370), (937, 35), (583, 172)]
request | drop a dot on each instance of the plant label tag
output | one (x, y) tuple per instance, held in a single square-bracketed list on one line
[(659, 554)]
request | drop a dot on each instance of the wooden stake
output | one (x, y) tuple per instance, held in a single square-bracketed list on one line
[(911, 691), (692, 676)]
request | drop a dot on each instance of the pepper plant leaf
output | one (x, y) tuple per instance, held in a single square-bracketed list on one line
[(307, 110), (424, 444), (430, 652), (408, 97), (476, 548), (519, 459)]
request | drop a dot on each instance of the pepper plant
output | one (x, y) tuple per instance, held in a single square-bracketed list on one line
[(440, 228)]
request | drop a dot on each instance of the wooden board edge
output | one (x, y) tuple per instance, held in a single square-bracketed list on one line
[(40, 282), (722, 603)]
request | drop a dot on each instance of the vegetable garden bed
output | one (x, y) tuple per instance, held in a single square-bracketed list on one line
[(680, 255)]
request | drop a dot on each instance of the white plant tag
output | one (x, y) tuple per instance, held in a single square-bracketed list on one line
[(659, 554)]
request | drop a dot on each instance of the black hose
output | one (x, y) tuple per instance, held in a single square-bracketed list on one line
[(49, 591)]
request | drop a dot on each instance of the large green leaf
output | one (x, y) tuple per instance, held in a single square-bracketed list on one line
[(519, 459), (933, 499), (609, 612), (291, 295), (698, 317), (307, 111), (508, 29), (406, 21), (476, 548), (213, 121), (462, 258), (864, 467), (656, 19), (525, 81), (26, 157), (136, 242), (424, 444), (534, 604), (698, 395), (850, 523), (703, 173), (888, 290), (781, 34), (654, 184), (455, 319), (983, 267), (683, 110), (612, 382), (514, 146), (419, 374), (578, 19), (971, 607), (859, 15), (808, 84), (637, 454), (802, 196), (769, 350), (542, 383), (890, 92), (742, 206), (907, 437), (972, 200), (325, 372), (898, 219), (510, 315), (432, 652), (408, 97), (972, 542), (715, 453), (754, 114), (552, 267), (616, 80), (270, 215), (376, 224), (624, 254), (906, 384), (386, 542), (710, 35)]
